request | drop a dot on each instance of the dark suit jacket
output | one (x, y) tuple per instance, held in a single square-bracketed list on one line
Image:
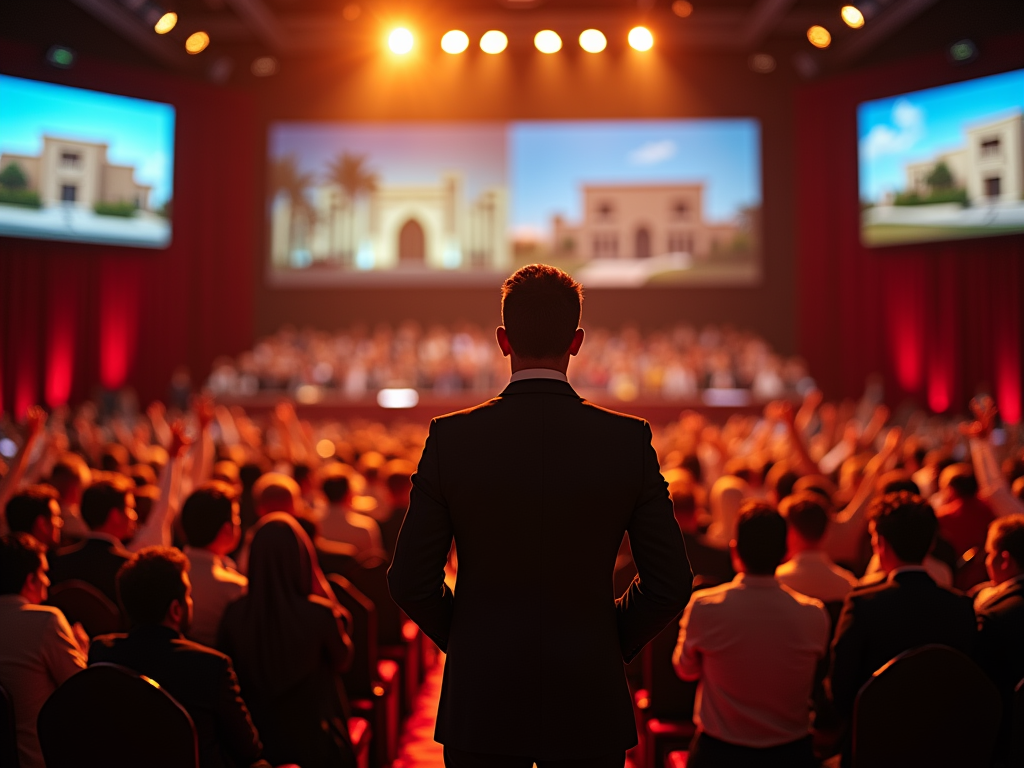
[(1001, 646), (95, 561), (201, 679), (881, 622), (537, 487)]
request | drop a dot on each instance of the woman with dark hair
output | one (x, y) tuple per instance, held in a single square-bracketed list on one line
[(289, 645)]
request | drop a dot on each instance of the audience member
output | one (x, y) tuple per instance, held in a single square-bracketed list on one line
[(727, 495), (35, 511), (289, 645), (710, 565), (809, 570), (754, 645), (156, 596), (276, 492), (963, 517), (211, 522), (397, 479), (71, 476), (108, 508), (38, 649), (340, 523)]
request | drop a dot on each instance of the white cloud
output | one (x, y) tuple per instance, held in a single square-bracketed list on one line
[(907, 128), (653, 152)]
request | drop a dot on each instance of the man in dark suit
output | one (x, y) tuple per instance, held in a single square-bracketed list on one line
[(537, 487), (905, 611), (108, 508), (156, 595)]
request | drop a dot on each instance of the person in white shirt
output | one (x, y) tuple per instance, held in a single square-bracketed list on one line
[(38, 649), (809, 570), (754, 645), (340, 523)]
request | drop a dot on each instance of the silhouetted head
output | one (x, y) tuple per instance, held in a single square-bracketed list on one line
[(903, 529), (35, 511), (760, 542), (154, 588), (540, 310)]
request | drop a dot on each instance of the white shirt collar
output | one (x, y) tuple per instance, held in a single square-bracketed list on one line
[(538, 373)]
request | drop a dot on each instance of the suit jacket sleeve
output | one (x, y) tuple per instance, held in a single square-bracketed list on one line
[(416, 576), (237, 732), (662, 585), (848, 648)]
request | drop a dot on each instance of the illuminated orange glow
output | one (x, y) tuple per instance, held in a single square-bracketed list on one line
[(852, 16), (593, 40), (547, 41), (682, 9), (197, 42), (641, 39), (165, 23), (400, 41), (455, 41), (819, 36), (493, 41)]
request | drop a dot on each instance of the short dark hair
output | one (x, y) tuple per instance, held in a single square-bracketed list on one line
[(1008, 536), (149, 582), (806, 514), (760, 537), (908, 524), (29, 504), (205, 511), (105, 494), (334, 482), (540, 309), (20, 556), (114, 458), (897, 481)]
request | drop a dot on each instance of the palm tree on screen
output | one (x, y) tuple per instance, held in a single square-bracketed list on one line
[(286, 177), (350, 172)]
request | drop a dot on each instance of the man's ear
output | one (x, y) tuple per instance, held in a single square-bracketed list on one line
[(502, 336), (577, 342), (176, 612)]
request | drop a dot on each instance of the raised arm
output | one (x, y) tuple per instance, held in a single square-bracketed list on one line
[(158, 530), (10, 482)]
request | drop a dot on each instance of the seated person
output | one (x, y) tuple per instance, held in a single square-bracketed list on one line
[(711, 564), (1001, 614), (754, 645), (340, 523), (38, 650), (36, 511), (397, 478), (809, 569), (276, 492), (905, 611), (108, 508), (155, 592), (963, 517), (211, 522), (71, 476)]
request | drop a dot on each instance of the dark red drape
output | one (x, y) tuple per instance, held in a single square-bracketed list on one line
[(76, 315), (939, 320)]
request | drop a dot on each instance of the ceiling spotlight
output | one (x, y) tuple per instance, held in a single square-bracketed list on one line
[(819, 36), (400, 41), (547, 41), (197, 42), (264, 66), (493, 41), (682, 9), (641, 39), (593, 40), (455, 41), (852, 16), (165, 23)]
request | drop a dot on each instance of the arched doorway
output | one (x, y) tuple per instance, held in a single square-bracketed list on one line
[(643, 243), (412, 245)]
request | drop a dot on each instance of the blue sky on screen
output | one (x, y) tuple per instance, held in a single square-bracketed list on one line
[(139, 133), (549, 161), (917, 126)]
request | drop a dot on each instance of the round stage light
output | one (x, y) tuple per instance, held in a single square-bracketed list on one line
[(641, 39), (493, 41), (325, 448), (682, 8), (455, 41), (819, 36), (165, 23), (593, 40), (852, 16), (547, 41), (400, 41), (197, 42)]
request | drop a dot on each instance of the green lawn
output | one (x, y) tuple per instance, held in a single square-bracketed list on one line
[(895, 234)]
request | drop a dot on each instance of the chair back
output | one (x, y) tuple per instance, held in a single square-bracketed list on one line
[(930, 707), (670, 698), (107, 715), (360, 675), (373, 582), (81, 602), (8, 731)]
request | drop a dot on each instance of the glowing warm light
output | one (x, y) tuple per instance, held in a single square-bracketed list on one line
[(351, 11), (493, 41), (325, 448), (165, 23), (852, 16), (682, 9), (455, 41), (641, 39), (400, 41), (264, 66), (547, 41), (197, 42), (819, 37), (593, 40)]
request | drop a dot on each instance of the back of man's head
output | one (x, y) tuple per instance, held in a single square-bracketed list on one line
[(805, 513), (335, 481), (276, 492), (959, 479), (895, 481), (1006, 534), (70, 475), (818, 484), (149, 582), (540, 309), (20, 556), (760, 537), (28, 505), (908, 524), (106, 494), (206, 511)]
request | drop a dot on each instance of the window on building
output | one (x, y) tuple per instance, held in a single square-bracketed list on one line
[(605, 211), (606, 245), (680, 242), (70, 160), (993, 186), (680, 210), (68, 193), (990, 147)]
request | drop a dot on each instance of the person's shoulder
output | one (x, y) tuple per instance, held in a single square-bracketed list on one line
[(229, 580), (802, 602), (42, 617), (200, 654), (105, 647), (712, 596)]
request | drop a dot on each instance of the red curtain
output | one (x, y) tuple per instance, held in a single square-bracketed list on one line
[(941, 321), (74, 315)]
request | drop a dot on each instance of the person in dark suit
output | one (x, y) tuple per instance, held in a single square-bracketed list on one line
[(1000, 610), (108, 508), (156, 595), (905, 611), (537, 487)]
